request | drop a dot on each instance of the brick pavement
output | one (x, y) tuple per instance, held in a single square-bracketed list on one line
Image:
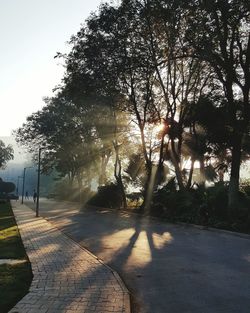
[(67, 278)]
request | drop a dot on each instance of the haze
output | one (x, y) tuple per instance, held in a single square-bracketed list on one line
[(31, 33)]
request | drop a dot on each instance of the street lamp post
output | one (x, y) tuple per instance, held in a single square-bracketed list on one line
[(38, 182), (24, 171)]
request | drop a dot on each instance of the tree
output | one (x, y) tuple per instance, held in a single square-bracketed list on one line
[(180, 79), (64, 133), (132, 55), (183, 65), (6, 187), (219, 33), (109, 48), (6, 153)]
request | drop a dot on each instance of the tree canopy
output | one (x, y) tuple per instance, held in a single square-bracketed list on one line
[(152, 91)]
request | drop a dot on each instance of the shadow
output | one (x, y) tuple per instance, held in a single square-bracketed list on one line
[(65, 276), (169, 268)]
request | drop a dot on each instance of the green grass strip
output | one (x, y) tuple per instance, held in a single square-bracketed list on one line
[(14, 279), (14, 284)]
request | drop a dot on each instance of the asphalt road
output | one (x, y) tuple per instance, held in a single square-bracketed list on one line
[(168, 268)]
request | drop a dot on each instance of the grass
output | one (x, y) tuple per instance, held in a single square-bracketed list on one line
[(14, 284), (14, 279)]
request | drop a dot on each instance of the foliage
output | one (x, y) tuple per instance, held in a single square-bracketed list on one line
[(135, 170), (108, 196), (6, 187), (203, 206), (218, 33), (138, 65), (245, 187), (6, 154)]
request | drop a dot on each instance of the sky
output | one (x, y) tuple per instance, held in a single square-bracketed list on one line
[(31, 32)]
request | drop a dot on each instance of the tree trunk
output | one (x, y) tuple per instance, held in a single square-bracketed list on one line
[(144, 149), (202, 172), (147, 192), (176, 166), (233, 192), (79, 181), (117, 174), (190, 175), (71, 178), (221, 175), (104, 162), (148, 189), (122, 189), (160, 166)]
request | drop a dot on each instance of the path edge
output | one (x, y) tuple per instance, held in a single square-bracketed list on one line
[(127, 298)]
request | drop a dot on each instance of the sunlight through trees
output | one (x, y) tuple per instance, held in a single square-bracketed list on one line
[(154, 94)]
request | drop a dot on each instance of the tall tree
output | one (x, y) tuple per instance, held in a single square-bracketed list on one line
[(66, 135), (219, 34), (110, 47), (181, 78)]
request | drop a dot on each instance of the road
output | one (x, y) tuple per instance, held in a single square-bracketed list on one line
[(168, 268)]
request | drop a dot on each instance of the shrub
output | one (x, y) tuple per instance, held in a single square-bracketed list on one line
[(108, 196), (172, 203), (6, 187), (217, 200), (245, 187), (205, 206)]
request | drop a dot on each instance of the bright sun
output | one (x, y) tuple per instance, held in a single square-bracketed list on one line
[(159, 127)]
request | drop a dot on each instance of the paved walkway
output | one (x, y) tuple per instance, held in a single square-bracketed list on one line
[(67, 278), (168, 268)]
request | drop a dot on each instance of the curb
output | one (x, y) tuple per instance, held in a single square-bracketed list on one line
[(215, 230), (157, 219)]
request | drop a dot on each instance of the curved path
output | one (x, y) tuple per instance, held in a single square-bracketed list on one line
[(168, 268), (67, 278)]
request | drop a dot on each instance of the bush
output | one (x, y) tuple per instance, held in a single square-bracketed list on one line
[(245, 187), (6, 188), (204, 206), (174, 203), (108, 196), (217, 200)]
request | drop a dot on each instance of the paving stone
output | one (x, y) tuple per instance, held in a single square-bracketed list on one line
[(67, 279)]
